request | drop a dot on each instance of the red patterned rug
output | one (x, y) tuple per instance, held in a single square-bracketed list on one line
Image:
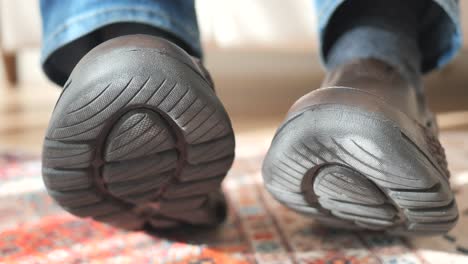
[(258, 230)]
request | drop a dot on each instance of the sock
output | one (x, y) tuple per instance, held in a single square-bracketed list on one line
[(378, 29)]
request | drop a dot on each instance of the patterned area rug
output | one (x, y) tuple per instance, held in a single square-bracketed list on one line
[(258, 230)]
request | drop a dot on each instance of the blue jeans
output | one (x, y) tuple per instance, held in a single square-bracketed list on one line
[(66, 21)]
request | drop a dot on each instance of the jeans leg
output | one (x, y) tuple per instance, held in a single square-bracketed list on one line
[(70, 28), (439, 37)]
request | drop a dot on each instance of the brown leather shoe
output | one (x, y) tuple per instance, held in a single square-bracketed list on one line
[(138, 138), (363, 152)]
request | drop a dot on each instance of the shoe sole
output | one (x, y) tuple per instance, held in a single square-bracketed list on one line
[(352, 168), (138, 139)]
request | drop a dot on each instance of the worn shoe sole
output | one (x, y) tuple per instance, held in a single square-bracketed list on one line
[(354, 167), (137, 138)]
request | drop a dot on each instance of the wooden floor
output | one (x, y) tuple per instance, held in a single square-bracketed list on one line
[(25, 112)]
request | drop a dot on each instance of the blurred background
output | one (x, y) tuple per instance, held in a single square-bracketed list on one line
[(262, 59)]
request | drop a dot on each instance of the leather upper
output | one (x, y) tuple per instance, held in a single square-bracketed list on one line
[(376, 78)]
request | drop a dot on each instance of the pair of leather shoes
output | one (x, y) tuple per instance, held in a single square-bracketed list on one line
[(139, 138)]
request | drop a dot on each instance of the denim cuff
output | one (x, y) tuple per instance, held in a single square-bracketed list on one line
[(441, 37), (85, 23)]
